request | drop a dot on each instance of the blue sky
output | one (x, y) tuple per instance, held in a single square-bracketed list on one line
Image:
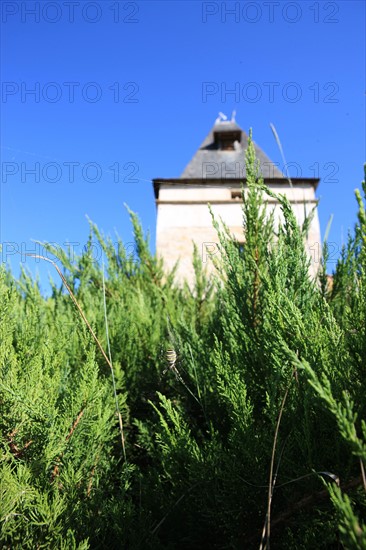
[(124, 92)]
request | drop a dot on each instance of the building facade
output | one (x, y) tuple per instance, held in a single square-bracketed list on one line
[(215, 175)]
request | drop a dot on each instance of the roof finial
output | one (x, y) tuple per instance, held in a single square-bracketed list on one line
[(233, 115), (220, 118)]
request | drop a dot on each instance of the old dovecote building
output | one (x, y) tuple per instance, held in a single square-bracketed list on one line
[(214, 175)]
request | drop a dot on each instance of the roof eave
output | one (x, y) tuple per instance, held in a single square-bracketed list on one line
[(217, 181)]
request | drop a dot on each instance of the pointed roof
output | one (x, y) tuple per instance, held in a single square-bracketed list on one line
[(222, 155)]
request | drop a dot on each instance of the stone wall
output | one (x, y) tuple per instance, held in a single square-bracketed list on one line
[(183, 217)]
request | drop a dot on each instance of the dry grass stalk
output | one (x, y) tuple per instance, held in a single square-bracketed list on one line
[(56, 469), (266, 533), (91, 332)]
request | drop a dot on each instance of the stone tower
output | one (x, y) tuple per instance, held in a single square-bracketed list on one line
[(214, 175)]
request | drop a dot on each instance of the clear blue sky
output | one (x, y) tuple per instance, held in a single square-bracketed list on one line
[(136, 86)]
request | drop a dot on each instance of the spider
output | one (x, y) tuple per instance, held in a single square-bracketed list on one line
[(171, 359)]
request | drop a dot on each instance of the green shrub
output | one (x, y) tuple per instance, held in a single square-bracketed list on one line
[(256, 431)]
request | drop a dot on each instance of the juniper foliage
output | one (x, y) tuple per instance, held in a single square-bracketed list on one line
[(261, 348)]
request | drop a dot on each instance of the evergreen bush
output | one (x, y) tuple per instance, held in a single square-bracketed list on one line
[(249, 431)]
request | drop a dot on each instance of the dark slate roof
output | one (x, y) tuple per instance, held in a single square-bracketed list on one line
[(209, 156)]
